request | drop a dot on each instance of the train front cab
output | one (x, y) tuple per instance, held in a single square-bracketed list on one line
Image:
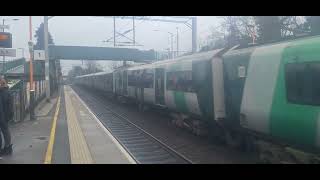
[(273, 91)]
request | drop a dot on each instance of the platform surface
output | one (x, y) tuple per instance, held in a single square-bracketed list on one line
[(65, 132)]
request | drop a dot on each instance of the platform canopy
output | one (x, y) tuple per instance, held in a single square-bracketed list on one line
[(99, 53)]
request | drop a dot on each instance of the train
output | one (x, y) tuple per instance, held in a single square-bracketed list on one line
[(268, 93)]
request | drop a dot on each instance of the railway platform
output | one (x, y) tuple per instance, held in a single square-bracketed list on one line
[(65, 132)]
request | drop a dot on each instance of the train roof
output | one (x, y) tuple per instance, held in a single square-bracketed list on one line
[(202, 56), (251, 48), (94, 74)]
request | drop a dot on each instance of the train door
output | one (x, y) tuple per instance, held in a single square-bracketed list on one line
[(125, 82), (117, 83), (159, 86), (140, 87), (234, 70), (136, 83)]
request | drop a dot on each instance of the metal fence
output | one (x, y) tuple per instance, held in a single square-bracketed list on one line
[(18, 105), (20, 93)]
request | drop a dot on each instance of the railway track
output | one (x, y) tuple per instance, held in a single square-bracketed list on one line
[(142, 146)]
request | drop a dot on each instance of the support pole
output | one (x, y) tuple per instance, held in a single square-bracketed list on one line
[(177, 54), (46, 48), (114, 31), (194, 34), (4, 57), (134, 31), (32, 100), (172, 51)]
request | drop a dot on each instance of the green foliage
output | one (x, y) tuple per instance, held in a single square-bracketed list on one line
[(243, 30), (40, 38), (91, 67), (269, 28), (313, 23)]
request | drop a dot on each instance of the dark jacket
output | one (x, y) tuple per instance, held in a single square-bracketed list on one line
[(6, 105)]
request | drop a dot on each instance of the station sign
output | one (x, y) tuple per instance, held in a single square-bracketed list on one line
[(39, 55), (8, 52), (5, 40)]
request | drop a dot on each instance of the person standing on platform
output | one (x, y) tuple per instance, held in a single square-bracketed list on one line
[(6, 114)]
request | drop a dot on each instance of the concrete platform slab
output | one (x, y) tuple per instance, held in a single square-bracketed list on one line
[(104, 149), (30, 138), (64, 133)]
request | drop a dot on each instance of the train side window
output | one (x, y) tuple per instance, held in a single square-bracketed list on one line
[(147, 79), (131, 78), (141, 78), (180, 81), (302, 83)]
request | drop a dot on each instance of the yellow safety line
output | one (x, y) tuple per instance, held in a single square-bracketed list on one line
[(48, 157), (79, 150)]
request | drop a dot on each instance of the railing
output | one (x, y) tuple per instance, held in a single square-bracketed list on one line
[(12, 64), (18, 105), (20, 94), (17, 93)]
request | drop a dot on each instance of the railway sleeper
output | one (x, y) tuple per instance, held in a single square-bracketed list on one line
[(133, 138), (142, 146), (125, 136), (150, 148), (139, 144), (158, 157), (150, 153)]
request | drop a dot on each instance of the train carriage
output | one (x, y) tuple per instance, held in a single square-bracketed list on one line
[(141, 83), (270, 91), (120, 82), (274, 90), (183, 85), (102, 81)]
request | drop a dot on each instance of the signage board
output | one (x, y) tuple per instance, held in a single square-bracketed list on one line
[(5, 40), (8, 52), (39, 55)]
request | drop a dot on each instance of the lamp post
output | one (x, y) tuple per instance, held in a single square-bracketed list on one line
[(172, 53), (4, 57), (32, 92), (171, 39), (8, 19), (46, 49), (252, 33), (177, 42)]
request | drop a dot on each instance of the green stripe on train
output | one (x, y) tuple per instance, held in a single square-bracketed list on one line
[(180, 101)]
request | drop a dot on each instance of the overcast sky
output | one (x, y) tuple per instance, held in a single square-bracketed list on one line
[(91, 31)]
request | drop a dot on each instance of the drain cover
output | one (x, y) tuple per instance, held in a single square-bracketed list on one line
[(41, 138)]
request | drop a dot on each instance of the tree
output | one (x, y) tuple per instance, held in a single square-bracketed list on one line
[(269, 28), (233, 30), (276, 28), (40, 38), (240, 30), (293, 26), (75, 71), (313, 24), (92, 67)]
